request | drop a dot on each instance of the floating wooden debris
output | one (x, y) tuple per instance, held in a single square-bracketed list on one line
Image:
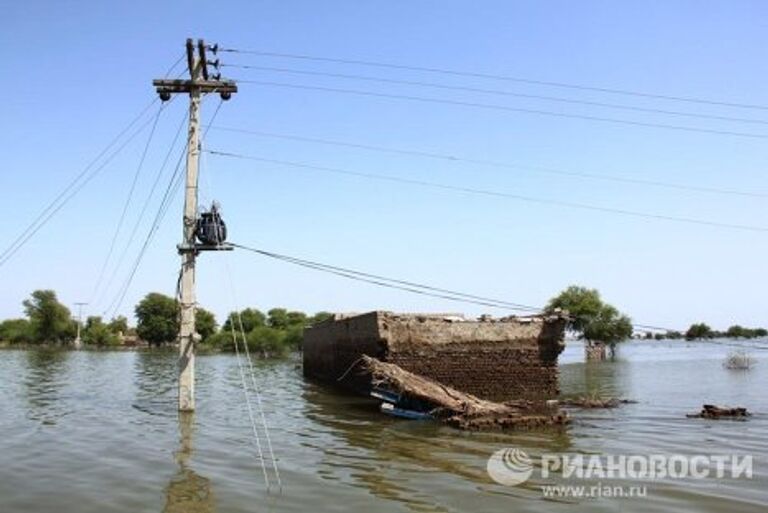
[(397, 387), (595, 402), (710, 411)]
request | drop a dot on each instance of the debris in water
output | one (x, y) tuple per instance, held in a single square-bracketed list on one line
[(413, 396), (595, 402), (710, 411)]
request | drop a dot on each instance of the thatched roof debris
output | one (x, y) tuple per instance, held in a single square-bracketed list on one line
[(457, 408)]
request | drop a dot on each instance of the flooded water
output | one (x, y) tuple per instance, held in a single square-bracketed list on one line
[(98, 432)]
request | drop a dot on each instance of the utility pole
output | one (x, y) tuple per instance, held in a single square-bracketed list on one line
[(78, 341), (199, 84)]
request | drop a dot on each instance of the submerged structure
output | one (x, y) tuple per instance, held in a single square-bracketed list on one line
[(507, 359)]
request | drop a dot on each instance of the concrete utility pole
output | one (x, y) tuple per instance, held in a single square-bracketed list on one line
[(199, 84), (78, 341)]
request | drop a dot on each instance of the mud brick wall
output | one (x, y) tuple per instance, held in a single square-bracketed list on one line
[(333, 347), (498, 360), (490, 372)]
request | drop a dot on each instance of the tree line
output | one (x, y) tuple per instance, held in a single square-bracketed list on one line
[(49, 322), (279, 331), (597, 321)]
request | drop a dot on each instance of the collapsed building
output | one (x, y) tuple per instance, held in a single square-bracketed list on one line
[(507, 359)]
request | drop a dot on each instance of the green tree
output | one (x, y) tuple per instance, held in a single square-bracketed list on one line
[(157, 319), (277, 318), (320, 317), (593, 319), (581, 303), (296, 319), (50, 320), (205, 323), (699, 330), (119, 325), (251, 318), (608, 327), (16, 331), (97, 333), (267, 340)]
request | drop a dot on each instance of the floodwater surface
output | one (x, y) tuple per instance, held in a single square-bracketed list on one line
[(99, 432)]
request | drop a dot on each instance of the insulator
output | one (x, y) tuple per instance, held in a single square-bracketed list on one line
[(165, 96), (215, 63), (214, 48), (226, 95)]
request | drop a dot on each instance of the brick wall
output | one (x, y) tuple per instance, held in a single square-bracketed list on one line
[(497, 360)]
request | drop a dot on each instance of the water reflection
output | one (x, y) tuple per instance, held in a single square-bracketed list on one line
[(607, 378), (46, 375), (187, 491), (155, 378), (396, 459)]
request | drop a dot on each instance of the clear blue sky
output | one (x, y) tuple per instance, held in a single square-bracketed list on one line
[(76, 72)]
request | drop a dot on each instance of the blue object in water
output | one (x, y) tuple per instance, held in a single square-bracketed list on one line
[(394, 411)]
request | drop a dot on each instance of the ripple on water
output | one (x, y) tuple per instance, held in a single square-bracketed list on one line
[(89, 432)]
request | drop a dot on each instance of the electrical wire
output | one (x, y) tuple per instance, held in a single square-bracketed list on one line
[(412, 287), (62, 197), (144, 208), (84, 176), (496, 92), (490, 163), (507, 78), (173, 185), (393, 283), (73, 189), (492, 193), (128, 199), (506, 108)]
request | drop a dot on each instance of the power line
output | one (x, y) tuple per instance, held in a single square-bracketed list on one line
[(497, 92), (394, 283), (506, 108), (486, 192), (41, 218), (144, 207), (507, 78), (78, 184), (128, 199), (173, 185), (409, 286), (490, 163)]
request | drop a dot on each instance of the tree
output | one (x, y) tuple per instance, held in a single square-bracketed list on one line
[(50, 320), (251, 318), (98, 333), (205, 323), (277, 318), (700, 330), (320, 317), (581, 303), (267, 340), (593, 319), (16, 331), (608, 327), (157, 319), (118, 325)]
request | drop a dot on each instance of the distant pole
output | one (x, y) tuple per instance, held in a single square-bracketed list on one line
[(78, 341), (198, 85)]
